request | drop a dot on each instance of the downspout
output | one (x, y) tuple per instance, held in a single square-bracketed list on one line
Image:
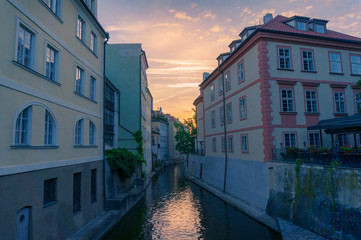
[(225, 131), (104, 163)]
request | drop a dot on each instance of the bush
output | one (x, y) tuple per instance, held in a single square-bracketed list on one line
[(123, 161)]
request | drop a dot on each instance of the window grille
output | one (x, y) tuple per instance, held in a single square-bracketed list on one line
[(77, 192), (49, 191)]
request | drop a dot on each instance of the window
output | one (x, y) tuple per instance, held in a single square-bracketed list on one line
[(229, 112), (91, 133), (355, 64), (77, 192), (79, 80), (230, 144), (213, 118), (289, 139), (301, 26), (242, 108), (287, 100), (311, 101), (358, 102), (50, 62), (212, 92), (221, 114), (223, 144), (284, 58), (335, 62), (314, 139), (79, 132), (25, 47), (92, 88), (93, 186), (339, 100), (80, 29), (93, 42), (227, 80), (53, 5), (49, 129), (214, 144), (244, 143), (319, 28), (342, 140), (49, 191), (92, 5), (307, 60), (241, 71), (220, 86), (22, 127)]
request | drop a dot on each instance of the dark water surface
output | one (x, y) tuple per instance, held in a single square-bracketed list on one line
[(174, 208)]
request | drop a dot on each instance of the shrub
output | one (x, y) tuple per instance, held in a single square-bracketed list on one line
[(123, 161)]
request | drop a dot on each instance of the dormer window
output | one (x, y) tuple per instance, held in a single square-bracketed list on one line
[(319, 28), (301, 26)]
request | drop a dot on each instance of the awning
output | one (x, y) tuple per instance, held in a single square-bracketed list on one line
[(350, 124)]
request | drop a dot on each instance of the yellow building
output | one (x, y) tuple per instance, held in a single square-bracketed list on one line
[(51, 83)]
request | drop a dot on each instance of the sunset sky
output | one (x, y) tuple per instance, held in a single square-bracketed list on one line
[(182, 38)]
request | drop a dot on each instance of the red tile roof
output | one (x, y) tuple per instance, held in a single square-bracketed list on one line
[(277, 24)]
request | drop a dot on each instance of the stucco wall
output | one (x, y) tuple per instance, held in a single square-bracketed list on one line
[(246, 180), (316, 198)]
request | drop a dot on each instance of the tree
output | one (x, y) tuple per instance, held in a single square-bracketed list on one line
[(358, 84), (185, 141), (191, 123)]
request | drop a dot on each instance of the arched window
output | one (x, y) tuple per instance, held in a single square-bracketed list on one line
[(91, 133), (79, 132), (22, 127), (49, 129)]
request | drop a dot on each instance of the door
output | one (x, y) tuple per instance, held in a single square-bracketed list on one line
[(22, 224)]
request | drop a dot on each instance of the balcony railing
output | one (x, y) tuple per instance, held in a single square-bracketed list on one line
[(344, 158)]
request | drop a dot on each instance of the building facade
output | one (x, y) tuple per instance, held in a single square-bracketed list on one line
[(126, 66), (278, 78), (51, 83), (160, 135)]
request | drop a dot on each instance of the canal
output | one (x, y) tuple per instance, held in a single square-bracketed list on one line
[(175, 208)]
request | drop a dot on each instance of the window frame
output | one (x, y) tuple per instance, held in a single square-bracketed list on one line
[(54, 130), (223, 144), (220, 86), (28, 129), (339, 101), (34, 43), (244, 106), (82, 82), (309, 133), (93, 88), (230, 141), (214, 144), (287, 99), (284, 138), (82, 36), (241, 73), (346, 138), (212, 92), (79, 134), (246, 150), (311, 101), (229, 119), (92, 134), (278, 47), (52, 192), (213, 119), (227, 79), (307, 59), (221, 117), (351, 64), (57, 58), (59, 8), (330, 62), (93, 47)]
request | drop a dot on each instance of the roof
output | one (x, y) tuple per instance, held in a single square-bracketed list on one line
[(350, 124), (198, 100)]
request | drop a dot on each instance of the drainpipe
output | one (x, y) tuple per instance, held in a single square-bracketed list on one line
[(225, 131), (104, 164)]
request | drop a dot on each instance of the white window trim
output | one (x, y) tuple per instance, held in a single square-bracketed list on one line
[(95, 133), (311, 100), (287, 99), (95, 51), (83, 82), (339, 102), (57, 59), (95, 87), (34, 47), (55, 130), (84, 38), (284, 57)]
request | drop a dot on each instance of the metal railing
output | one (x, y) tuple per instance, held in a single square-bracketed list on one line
[(345, 159)]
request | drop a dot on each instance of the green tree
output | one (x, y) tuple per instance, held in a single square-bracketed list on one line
[(185, 141), (358, 84), (191, 123)]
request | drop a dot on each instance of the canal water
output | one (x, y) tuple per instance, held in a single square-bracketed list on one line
[(174, 208)]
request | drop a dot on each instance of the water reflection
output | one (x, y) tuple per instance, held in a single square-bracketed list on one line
[(173, 208)]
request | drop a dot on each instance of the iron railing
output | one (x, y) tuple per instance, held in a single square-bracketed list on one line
[(344, 159)]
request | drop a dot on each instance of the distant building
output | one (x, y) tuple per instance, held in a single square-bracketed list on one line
[(111, 115), (199, 141), (276, 80), (160, 135), (126, 66), (51, 101), (173, 154)]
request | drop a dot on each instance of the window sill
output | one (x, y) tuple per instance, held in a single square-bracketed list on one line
[(308, 71), (85, 146), (239, 82), (340, 114), (86, 46), (285, 69), (33, 147), (83, 96), (49, 204), (245, 152), (352, 74), (312, 114), (288, 113), (334, 73), (35, 73), (51, 11)]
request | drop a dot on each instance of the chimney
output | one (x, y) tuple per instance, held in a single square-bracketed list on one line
[(160, 110), (205, 75), (267, 18)]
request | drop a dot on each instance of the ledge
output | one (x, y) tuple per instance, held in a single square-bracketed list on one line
[(35, 73), (288, 113), (85, 146), (358, 75), (283, 82), (340, 114), (49, 204), (285, 69), (310, 84), (33, 147), (308, 71), (83, 96), (338, 85), (312, 114), (332, 73)]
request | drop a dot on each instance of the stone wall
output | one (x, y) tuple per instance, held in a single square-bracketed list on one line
[(324, 199)]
